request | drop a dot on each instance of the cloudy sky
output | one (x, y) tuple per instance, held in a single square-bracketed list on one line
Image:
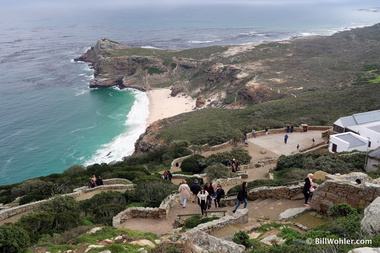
[(20, 8)]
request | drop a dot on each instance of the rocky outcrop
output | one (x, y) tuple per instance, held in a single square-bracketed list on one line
[(199, 239), (365, 250), (100, 49), (370, 223)]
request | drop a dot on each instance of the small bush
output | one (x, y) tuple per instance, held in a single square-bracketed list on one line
[(341, 210), (60, 204), (218, 171), (242, 237), (105, 213), (195, 164), (67, 236), (194, 221), (13, 239)]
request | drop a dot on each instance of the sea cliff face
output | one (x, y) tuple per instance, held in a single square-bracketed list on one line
[(195, 72)]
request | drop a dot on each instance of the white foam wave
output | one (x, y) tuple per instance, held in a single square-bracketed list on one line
[(201, 41), (82, 129), (123, 145), (150, 47)]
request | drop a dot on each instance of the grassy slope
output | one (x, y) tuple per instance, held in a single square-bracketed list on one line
[(313, 108)]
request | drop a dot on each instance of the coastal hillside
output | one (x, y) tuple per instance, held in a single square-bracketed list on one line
[(311, 80), (243, 75)]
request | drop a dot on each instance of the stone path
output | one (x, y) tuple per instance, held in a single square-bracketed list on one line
[(274, 146)]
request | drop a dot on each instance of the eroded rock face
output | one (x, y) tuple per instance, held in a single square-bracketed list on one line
[(370, 223), (101, 48), (200, 102)]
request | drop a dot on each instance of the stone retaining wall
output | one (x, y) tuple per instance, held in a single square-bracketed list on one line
[(116, 181), (160, 212), (336, 192), (318, 148), (296, 129), (7, 213), (265, 192), (182, 176), (220, 146), (228, 181)]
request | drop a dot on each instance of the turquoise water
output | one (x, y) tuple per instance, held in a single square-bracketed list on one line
[(50, 119)]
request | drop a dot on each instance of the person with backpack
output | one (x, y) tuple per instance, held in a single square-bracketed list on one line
[(195, 188), (242, 196)]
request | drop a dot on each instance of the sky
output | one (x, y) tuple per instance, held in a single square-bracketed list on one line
[(13, 9)]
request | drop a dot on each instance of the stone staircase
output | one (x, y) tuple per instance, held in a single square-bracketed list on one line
[(269, 208)]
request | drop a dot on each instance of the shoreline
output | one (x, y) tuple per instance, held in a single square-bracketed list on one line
[(162, 105)]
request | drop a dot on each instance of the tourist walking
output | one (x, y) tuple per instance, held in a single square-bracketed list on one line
[(308, 188), (234, 165), (242, 196), (210, 189), (202, 196), (184, 193), (219, 194), (266, 131), (253, 133), (286, 138), (195, 188)]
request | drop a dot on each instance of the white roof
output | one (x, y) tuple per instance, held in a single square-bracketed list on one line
[(359, 119), (354, 140)]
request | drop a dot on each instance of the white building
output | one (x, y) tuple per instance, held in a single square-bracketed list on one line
[(364, 129), (347, 142)]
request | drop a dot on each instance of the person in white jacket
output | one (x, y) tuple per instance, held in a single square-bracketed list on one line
[(202, 195), (184, 193)]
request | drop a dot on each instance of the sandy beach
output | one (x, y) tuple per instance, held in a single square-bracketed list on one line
[(163, 105)]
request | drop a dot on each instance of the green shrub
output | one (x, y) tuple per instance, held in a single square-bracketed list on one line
[(242, 237), (60, 204), (13, 239), (105, 213), (194, 221), (37, 224), (66, 236), (341, 210), (195, 164), (75, 170), (33, 197), (218, 171), (103, 198), (330, 163), (150, 190), (240, 155)]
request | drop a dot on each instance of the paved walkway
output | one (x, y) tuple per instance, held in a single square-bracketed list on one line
[(274, 143), (274, 146)]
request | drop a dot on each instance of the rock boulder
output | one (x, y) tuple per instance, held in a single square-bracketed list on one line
[(370, 224)]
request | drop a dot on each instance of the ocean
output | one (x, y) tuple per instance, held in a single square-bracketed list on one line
[(50, 119)]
